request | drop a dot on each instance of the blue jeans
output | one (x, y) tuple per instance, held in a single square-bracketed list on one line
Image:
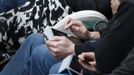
[(32, 58), (54, 70), (6, 5), (42, 61), (22, 57)]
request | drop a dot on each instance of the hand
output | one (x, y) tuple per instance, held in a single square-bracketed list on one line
[(115, 5), (87, 60), (77, 27), (60, 46)]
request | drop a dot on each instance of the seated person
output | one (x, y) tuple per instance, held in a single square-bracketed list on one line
[(16, 17), (126, 67), (20, 16), (33, 16), (113, 45), (110, 46), (36, 58), (25, 22), (19, 64), (22, 59)]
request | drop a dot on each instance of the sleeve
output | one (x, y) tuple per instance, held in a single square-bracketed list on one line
[(85, 47), (117, 41), (126, 68)]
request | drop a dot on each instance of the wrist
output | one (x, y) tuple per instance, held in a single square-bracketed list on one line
[(88, 33), (72, 49), (94, 35)]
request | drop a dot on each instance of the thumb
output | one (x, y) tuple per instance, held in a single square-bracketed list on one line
[(93, 63)]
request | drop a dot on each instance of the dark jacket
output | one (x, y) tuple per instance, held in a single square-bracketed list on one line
[(102, 6), (116, 41), (126, 67)]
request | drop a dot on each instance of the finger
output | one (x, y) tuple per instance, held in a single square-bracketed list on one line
[(87, 65), (55, 51), (59, 41), (84, 64), (61, 55), (80, 61), (55, 55), (73, 22), (52, 43), (89, 54), (68, 25), (81, 57), (93, 63), (66, 22), (55, 38)]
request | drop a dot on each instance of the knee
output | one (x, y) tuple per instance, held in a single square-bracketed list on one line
[(35, 36), (40, 53)]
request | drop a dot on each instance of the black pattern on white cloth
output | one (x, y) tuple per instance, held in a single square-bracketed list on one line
[(32, 17)]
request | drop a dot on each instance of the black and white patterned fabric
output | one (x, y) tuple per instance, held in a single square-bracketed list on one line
[(32, 17)]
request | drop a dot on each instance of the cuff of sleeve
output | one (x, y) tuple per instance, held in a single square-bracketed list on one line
[(79, 48), (84, 47)]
